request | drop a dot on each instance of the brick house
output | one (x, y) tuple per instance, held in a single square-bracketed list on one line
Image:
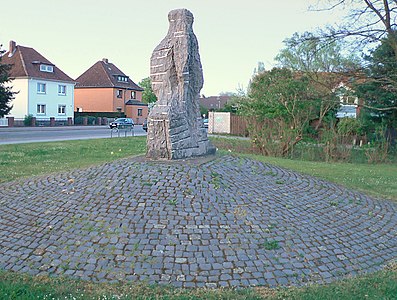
[(214, 102), (44, 91), (105, 88)]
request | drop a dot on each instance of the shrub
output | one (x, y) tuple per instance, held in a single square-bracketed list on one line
[(349, 127), (27, 121)]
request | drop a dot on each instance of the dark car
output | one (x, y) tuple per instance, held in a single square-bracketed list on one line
[(144, 126), (122, 123)]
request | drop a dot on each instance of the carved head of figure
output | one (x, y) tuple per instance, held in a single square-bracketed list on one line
[(177, 15)]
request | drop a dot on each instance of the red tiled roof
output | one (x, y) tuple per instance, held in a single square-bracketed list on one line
[(26, 63), (214, 102), (104, 74)]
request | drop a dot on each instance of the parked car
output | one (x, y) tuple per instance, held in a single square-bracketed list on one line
[(144, 126), (122, 123), (205, 122)]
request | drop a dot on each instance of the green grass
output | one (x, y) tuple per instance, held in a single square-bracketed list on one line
[(378, 180), (379, 285), (24, 160)]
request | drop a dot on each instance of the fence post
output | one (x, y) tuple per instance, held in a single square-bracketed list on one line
[(85, 121), (70, 121), (33, 122), (10, 121), (98, 121), (52, 121)]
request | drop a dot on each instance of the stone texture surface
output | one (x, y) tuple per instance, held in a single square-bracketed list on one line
[(222, 222), (175, 128)]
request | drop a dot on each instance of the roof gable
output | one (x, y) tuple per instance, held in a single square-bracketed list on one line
[(104, 74), (26, 62)]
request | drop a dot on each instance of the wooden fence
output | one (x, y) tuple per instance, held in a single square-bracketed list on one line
[(238, 125)]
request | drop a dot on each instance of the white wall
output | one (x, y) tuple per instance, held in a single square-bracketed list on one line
[(20, 102), (219, 122), (51, 99)]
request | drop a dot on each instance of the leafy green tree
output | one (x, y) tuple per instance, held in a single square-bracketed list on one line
[(148, 95), (281, 93), (308, 53), (6, 94), (279, 105), (323, 62), (379, 88)]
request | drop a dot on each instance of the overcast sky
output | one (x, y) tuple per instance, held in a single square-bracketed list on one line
[(233, 35)]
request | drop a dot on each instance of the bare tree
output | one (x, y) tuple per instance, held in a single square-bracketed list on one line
[(367, 22)]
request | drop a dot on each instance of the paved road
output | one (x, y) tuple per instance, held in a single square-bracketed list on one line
[(18, 135), (226, 222)]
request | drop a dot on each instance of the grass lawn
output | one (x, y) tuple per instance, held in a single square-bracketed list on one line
[(379, 180), (23, 160), (379, 285)]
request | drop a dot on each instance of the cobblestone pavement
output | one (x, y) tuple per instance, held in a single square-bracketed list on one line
[(225, 222)]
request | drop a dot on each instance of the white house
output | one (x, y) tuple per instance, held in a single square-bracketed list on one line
[(44, 91), (349, 102)]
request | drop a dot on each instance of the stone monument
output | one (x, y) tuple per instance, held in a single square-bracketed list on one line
[(175, 128)]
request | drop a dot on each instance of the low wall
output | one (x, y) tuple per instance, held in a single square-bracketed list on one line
[(219, 122)]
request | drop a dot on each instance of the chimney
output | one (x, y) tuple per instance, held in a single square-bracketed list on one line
[(105, 60), (13, 48)]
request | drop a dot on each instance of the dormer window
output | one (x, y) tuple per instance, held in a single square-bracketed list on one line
[(47, 68), (349, 100), (122, 78)]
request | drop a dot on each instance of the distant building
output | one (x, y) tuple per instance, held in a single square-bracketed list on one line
[(105, 88), (44, 91), (349, 103), (214, 102)]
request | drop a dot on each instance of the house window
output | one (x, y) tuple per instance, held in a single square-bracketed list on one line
[(139, 112), (133, 95), (62, 90), (47, 68), (41, 88), (122, 78), (41, 109), (79, 109), (349, 100), (119, 93), (62, 109)]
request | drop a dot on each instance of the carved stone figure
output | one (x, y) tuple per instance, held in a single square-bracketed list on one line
[(175, 128)]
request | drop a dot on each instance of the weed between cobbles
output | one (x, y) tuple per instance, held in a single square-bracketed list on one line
[(215, 180), (172, 202), (271, 244)]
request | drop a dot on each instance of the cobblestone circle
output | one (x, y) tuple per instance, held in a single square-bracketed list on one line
[(227, 222)]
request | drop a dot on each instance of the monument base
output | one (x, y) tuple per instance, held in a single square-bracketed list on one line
[(175, 139)]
